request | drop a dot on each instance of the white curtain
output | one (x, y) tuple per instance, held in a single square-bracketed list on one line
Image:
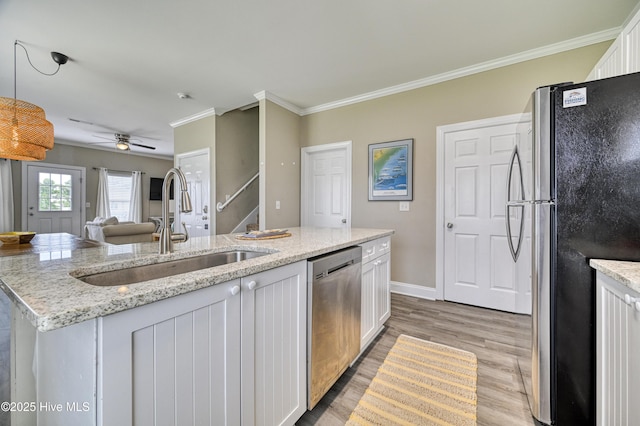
[(102, 204), (135, 202), (6, 196)]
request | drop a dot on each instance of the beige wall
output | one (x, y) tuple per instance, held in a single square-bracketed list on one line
[(71, 155), (416, 114), (279, 166), (237, 162)]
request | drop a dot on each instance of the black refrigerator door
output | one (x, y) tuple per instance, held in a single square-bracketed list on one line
[(597, 194)]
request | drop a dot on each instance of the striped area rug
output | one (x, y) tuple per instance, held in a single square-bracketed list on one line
[(421, 383)]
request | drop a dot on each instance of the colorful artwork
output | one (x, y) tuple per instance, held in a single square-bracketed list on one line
[(390, 170)]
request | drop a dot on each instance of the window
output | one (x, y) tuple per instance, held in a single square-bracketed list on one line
[(54, 191), (120, 194)]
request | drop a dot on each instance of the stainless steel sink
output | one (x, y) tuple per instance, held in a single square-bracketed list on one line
[(138, 274)]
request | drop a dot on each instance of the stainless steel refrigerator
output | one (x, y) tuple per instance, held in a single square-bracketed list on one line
[(573, 194)]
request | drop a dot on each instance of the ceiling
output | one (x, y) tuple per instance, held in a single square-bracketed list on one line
[(130, 59)]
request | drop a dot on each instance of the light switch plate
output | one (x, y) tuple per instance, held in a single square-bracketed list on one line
[(404, 206)]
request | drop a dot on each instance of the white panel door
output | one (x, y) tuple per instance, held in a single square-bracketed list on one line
[(55, 198), (326, 185), (196, 168), (478, 268)]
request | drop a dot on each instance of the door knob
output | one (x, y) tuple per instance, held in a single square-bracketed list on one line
[(344, 220), (449, 225)]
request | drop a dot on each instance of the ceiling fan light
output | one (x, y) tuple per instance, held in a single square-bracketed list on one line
[(123, 146)]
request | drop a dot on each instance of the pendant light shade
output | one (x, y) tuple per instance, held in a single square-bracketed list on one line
[(25, 133)]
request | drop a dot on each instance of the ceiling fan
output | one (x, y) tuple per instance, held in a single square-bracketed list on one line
[(124, 142)]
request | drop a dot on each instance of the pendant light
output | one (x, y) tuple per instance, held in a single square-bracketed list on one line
[(25, 133)]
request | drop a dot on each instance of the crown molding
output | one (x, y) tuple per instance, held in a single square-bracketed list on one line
[(551, 49), (192, 118), (278, 101), (528, 55)]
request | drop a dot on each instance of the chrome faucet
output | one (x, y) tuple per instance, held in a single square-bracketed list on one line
[(166, 236)]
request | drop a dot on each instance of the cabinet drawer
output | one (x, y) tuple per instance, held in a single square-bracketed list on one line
[(375, 248), (383, 245), (368, 250)]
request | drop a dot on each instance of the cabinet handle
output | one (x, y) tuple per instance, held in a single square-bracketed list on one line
[(252, 285), (385, 245), (235, 290)]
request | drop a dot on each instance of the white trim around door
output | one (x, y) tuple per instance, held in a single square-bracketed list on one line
[(307, 153), (57, 167), (441, 197)]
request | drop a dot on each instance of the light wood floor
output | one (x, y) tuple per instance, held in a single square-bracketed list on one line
[(497, 338)]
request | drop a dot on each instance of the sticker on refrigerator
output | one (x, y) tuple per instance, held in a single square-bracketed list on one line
[(574, 97)]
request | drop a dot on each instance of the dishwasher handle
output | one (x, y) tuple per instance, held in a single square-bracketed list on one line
[(339, 267), (333, 270)]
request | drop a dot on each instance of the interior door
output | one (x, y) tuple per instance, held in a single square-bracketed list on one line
[(478, 268), (55, 198), (326, 185), (196, 168)]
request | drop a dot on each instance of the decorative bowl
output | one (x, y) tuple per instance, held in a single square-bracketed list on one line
[(16, 237)]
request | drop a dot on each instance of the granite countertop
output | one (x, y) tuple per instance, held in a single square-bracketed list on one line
[(42, 287), (627, 273)]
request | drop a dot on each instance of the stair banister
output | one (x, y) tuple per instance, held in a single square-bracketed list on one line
[(221, 206)]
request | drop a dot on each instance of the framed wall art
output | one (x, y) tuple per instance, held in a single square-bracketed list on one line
[(391, 171)]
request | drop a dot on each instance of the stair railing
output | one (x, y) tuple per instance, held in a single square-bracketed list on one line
[(221, 206)]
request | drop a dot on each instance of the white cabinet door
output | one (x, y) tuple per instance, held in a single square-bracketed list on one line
[(611, 64), (274, 346), (172, 361), (618, 351), (383, 290), (376, 289), (631, 42), (368, 316)]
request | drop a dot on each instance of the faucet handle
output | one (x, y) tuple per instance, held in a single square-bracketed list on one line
[(181, 238), (186, 232)]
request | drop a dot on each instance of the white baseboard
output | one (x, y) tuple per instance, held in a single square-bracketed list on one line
[(419, 291)]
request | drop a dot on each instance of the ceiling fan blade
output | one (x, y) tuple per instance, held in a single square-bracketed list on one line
[(141, 145), (89, 123), (105, 138)]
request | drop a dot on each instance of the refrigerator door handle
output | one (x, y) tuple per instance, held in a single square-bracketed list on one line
[(515, 251)]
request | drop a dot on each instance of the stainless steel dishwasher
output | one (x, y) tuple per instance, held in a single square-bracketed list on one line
[(334, 318)]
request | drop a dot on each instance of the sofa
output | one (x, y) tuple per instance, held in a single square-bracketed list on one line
[(112, 231)]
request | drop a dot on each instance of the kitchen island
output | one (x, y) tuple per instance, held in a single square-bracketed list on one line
[(82, 340)]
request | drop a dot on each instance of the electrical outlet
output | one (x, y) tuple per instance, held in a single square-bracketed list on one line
[(277, 204), (404, 206)]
